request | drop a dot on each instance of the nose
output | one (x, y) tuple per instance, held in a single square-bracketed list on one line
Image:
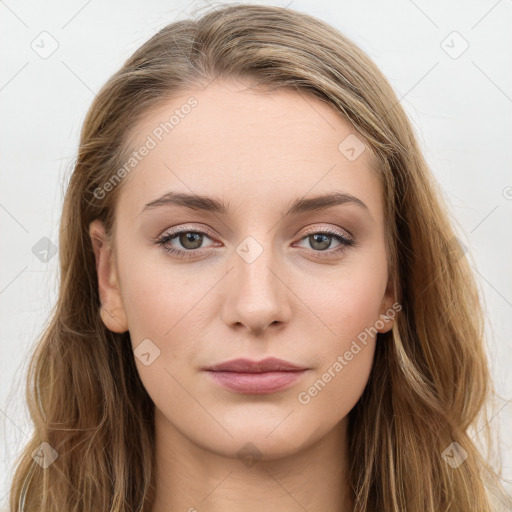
[(257, 295)]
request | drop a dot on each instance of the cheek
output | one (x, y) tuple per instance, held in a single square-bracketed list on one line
[(156, 295), (348, 302), (345, 355)]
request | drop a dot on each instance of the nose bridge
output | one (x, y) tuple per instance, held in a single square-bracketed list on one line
[(257, 297), (254, 260)]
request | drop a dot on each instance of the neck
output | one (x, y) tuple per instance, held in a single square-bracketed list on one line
[(190, 478)]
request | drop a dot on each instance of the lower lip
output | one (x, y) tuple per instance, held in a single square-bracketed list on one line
[(257, 383)]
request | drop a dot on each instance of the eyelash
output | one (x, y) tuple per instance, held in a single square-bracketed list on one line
[(162, 241)]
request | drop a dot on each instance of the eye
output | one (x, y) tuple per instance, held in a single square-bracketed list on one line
[(190, 241), (320, 241)]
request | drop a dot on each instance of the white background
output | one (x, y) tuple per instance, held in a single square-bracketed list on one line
[(461, 109)]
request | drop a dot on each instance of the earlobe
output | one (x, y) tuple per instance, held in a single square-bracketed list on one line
[(112, 309), (384, 324)]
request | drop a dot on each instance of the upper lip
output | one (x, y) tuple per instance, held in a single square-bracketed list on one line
[(271, 364)]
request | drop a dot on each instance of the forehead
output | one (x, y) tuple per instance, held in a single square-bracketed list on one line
[(231, 139)]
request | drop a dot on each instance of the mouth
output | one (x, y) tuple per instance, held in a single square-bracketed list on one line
[(256, 377)]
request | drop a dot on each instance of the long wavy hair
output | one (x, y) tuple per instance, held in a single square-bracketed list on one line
[(430, 384)]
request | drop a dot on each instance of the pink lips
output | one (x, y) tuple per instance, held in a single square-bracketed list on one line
[(256, 377)]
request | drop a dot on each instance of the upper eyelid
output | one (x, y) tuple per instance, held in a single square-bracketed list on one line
[(186, 229), (331, 231)]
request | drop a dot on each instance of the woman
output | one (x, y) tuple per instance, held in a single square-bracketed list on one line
[(263, 305)]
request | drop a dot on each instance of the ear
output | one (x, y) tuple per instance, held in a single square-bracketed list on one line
[(388, 309), (112, 310)]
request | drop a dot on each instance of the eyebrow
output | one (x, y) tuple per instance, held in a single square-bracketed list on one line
[(211, 204)]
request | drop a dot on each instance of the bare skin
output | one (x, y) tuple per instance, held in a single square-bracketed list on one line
[(301, 299)]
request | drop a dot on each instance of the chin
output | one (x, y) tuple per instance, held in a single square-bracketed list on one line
[(265, 438)]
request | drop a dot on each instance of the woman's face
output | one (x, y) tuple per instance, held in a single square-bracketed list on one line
[(263, 267)]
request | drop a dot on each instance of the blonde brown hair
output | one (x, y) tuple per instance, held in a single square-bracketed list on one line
[(430, 380)]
